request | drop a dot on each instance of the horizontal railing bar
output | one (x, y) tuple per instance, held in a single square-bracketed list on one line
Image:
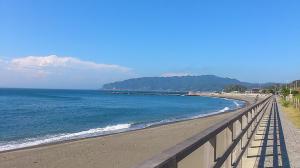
[(216, 129), (247, 110), (222, 159), (181, 150)]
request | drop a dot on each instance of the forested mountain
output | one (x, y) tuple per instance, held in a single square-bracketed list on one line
[(178, 83)]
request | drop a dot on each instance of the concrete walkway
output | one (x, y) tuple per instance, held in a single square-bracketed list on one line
[(269, 147), (292, 138)]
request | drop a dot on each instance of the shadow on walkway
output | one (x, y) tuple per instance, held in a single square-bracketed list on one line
[(272, 148)]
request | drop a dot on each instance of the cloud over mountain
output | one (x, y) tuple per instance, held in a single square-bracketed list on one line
[(171, 74)]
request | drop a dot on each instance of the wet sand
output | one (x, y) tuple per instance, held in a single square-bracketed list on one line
[(121, 150)]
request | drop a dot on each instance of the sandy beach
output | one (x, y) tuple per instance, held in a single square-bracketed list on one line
[(121, 150)]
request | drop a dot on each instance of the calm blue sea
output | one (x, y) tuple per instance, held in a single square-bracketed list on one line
[(31, 117)]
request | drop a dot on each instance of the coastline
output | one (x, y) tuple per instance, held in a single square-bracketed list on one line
[(246, 102), (140, 133), (127, 131), (233, 96)]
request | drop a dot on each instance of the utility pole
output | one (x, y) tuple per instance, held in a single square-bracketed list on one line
[(294, 85)]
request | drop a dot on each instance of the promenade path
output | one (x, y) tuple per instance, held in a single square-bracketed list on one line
[(269, 147), (276, 143)]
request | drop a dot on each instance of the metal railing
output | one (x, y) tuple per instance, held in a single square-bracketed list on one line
[(222, 145)]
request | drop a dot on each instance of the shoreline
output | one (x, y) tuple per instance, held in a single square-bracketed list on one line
[(245, 101), (139, 138), (116, 133)]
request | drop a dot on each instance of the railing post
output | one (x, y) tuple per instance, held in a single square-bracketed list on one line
[(224, 139), (256, 112), (171, 164), (241, 141), (221, 142), (209, 154), (247, 133), (253, 123), (232, 128), (228, 140), (213, 144), (247, 119)]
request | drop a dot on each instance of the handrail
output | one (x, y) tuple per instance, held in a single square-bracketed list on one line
[(170, 157)]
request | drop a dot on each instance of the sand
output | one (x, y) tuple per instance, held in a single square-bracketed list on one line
[(121, 150)]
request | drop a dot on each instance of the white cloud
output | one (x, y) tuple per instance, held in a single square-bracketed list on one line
[(170, 74), (58, 72), (34, 62)]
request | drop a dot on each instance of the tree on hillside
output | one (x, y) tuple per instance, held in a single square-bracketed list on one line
[(285, 91), (272, 88), (295, 92), (268, 91), (232, 88)]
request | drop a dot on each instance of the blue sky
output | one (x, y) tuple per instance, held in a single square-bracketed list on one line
[(254, 41)]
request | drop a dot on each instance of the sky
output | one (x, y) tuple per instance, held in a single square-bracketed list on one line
[(84, 44)]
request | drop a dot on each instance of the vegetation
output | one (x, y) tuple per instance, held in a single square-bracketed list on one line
[(234, 87), (295, 92), (272, 88), (285, 91), (268, 91), (292, 114), (285, 103), (179, 83)]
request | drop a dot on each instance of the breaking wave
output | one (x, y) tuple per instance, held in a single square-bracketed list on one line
[(61, 137)]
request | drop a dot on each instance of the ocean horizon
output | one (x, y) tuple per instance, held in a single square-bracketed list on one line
[(30, 117)]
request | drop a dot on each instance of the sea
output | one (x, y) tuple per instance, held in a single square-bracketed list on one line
[(30, 117)]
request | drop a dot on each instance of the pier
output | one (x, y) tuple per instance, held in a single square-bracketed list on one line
[(253, 137)]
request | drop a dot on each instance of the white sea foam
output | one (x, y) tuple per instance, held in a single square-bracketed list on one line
[(205, 115), (236, 103), (225, 109), (182, 119), (162, 122), (61, 137)]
